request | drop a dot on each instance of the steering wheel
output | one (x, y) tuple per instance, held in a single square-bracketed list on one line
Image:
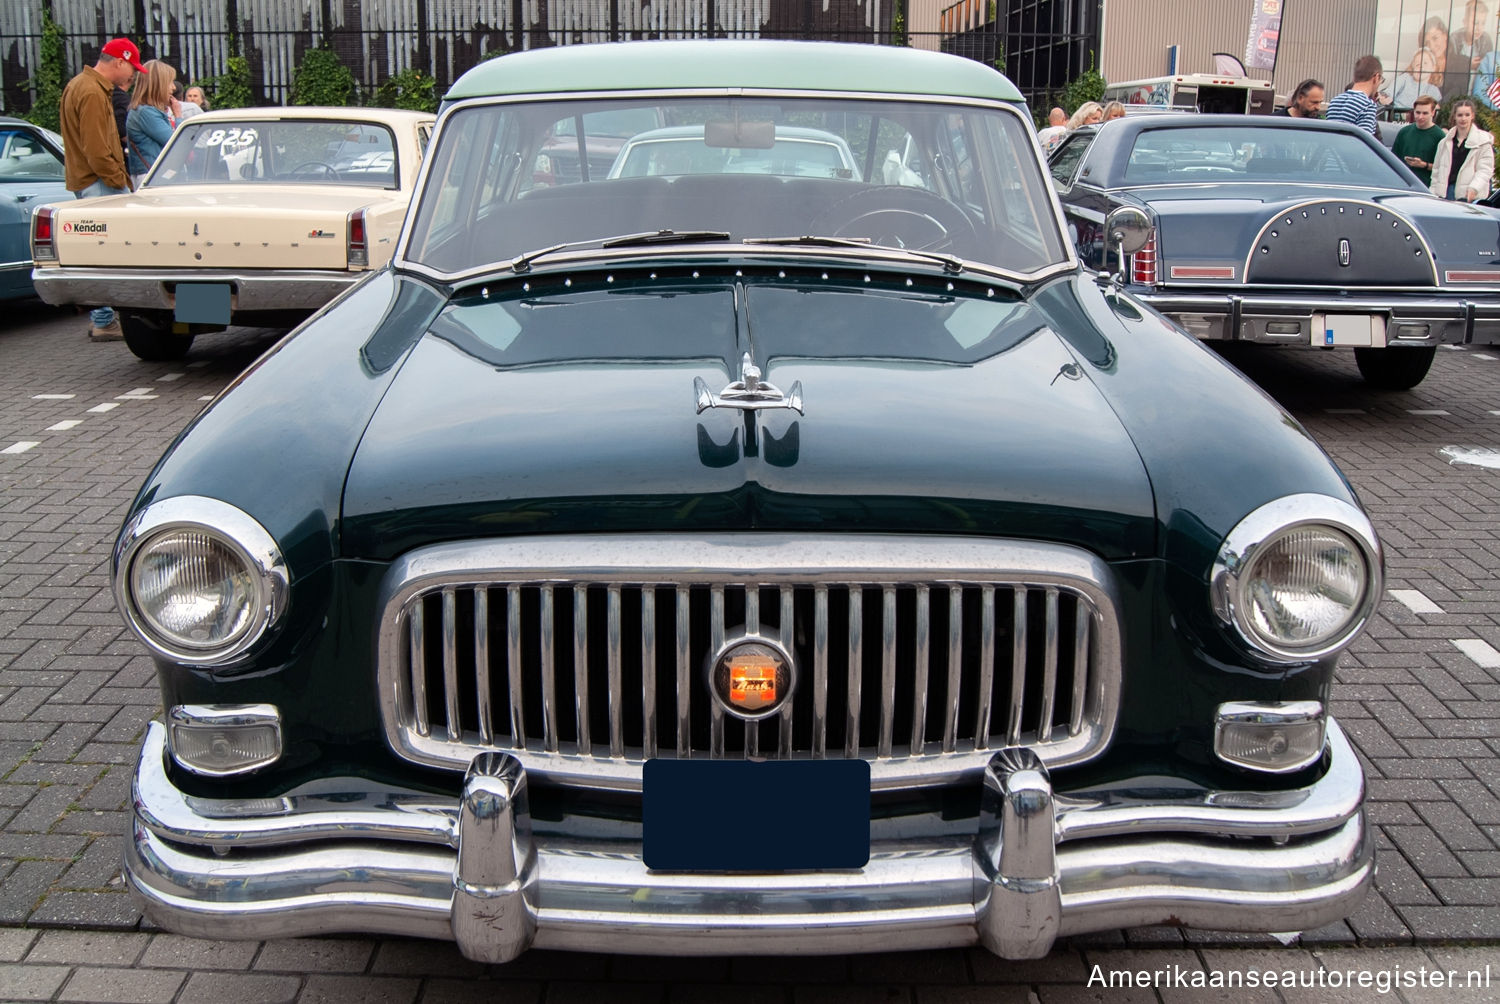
[(329, 169), (897, 216)]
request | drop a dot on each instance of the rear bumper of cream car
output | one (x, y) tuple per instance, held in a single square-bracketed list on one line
[(1041, 865), (155, 288)]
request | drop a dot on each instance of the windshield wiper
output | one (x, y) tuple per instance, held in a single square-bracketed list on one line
[(522, 262), (949, 262)]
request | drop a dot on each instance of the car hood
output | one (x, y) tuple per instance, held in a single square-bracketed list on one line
[(1212, 224), (577, 412)]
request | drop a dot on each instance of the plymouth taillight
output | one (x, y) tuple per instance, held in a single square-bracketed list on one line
[(1143, 263), (42, 248), (359, 249)]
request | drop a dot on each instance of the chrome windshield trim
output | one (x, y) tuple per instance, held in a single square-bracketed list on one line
[(399, 259), (1215, 185)]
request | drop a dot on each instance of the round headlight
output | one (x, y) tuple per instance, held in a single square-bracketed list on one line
[(1298, 577), (198, 580)]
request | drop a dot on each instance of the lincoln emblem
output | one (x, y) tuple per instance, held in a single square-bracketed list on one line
[(751, 677), (1344, 253)]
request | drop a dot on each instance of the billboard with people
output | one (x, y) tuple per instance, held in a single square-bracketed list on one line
[(1440, 49)]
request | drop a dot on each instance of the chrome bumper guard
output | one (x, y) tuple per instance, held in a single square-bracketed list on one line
[(1042, 865), (153, 288), (1466, 316)]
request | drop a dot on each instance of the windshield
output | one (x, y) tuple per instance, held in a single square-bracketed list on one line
[(291, 151), (514, 177), (1246, 153)]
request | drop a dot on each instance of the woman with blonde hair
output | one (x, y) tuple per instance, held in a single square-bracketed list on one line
[(151, 120), (1088, 113), (1114, 110)]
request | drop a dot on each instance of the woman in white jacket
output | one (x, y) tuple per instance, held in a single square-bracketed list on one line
[(1465, 162)]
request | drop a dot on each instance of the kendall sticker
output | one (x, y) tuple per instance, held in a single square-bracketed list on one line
[(86, 227)]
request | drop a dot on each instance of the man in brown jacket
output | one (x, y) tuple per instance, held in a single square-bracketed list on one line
[(93, 163)]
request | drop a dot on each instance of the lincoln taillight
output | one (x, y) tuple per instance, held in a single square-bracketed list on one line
[(1143, 263), (42, 248), (359, 248)]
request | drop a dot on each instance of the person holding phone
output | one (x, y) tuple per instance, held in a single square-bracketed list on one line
[(1417, 143)]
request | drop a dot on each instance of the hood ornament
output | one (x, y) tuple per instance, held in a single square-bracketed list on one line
[(748, 393)]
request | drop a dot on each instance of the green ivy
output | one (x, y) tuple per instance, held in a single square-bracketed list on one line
[(323, 79), (51, 74), (1087, 86), (411, 88), (232, 90), (898, 23)]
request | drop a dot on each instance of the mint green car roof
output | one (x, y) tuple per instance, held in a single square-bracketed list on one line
[(714, 63)]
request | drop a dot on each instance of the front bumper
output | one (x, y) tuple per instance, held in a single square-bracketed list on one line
[(1426, 318), (1041, 865), (155, 288)]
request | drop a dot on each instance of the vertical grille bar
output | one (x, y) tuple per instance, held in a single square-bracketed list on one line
[(955, 664), (919, 682), (1049, 669), (1017, 667), (986, 666), (684, 676), (513, 665), (581, 666), (549, 669), (715, 642), (1080, 665), (648, 671), (784, 746), (450, 664), (887, 671), (820, 672), (482, 665), (613, 639), (419, 669), (856, 663), (752, 626)]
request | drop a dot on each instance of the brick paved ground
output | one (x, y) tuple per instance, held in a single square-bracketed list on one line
[(1417, 695)]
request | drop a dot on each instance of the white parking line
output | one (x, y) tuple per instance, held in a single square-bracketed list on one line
[(53, 397), (1482, 652), (100, 409), (65, 425), (1481, 355), (135, 396), (1425, 411), (1455, 348), (170, 376), (210, 397), (21, 447), (1416, 601)]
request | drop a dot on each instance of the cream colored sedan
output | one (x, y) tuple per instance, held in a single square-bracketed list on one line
[(253, 216)]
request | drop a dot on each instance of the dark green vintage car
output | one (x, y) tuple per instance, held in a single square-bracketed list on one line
[(739, 563)]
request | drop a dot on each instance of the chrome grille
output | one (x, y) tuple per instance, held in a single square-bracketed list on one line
[(921, 655)]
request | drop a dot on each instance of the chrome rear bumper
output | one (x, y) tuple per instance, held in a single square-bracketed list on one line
[(1421, 318), (1040, 866), (154, 288)]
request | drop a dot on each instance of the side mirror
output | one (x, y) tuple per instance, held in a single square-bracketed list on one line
[(1129, 229)]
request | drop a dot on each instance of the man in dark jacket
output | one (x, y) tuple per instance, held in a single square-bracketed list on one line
[(93, 158)]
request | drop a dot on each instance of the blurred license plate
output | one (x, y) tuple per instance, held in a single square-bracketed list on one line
[(202, 303), (743, 816), (1348, 329)]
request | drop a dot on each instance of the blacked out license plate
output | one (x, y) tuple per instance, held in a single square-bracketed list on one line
[(202, 303), (747, 816)]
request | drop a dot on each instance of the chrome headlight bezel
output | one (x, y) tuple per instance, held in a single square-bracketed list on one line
[(235, 530), (1264, 526)]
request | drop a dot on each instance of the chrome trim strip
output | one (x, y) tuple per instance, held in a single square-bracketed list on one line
[(274, 289), (855, 563), (1080, 670), (955, 666), (784, 747), (588, 895), (887, 668), (1017, 666), (648, 679), (684, 676), (1268, 300), (513, 668), (581, 667), (549, 671), (1279, 516), (1049, 667), (986, 666), (923, 667), (716, 644), (450, 666), (820, 674), (482, 670), (854, 676), (419, 670), (613, 638), (238, 531)]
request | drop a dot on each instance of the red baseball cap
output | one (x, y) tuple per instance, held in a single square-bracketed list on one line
[(124, 48)]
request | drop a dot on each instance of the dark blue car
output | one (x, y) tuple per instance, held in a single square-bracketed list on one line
[(31, 174)]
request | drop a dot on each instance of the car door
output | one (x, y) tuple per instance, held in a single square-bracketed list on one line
[(1084, 206), (31, 174)]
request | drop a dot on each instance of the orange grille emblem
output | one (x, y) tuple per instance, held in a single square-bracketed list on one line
[(752, 681)]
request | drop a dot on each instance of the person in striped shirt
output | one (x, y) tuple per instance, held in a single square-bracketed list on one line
[(1359, 103)]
